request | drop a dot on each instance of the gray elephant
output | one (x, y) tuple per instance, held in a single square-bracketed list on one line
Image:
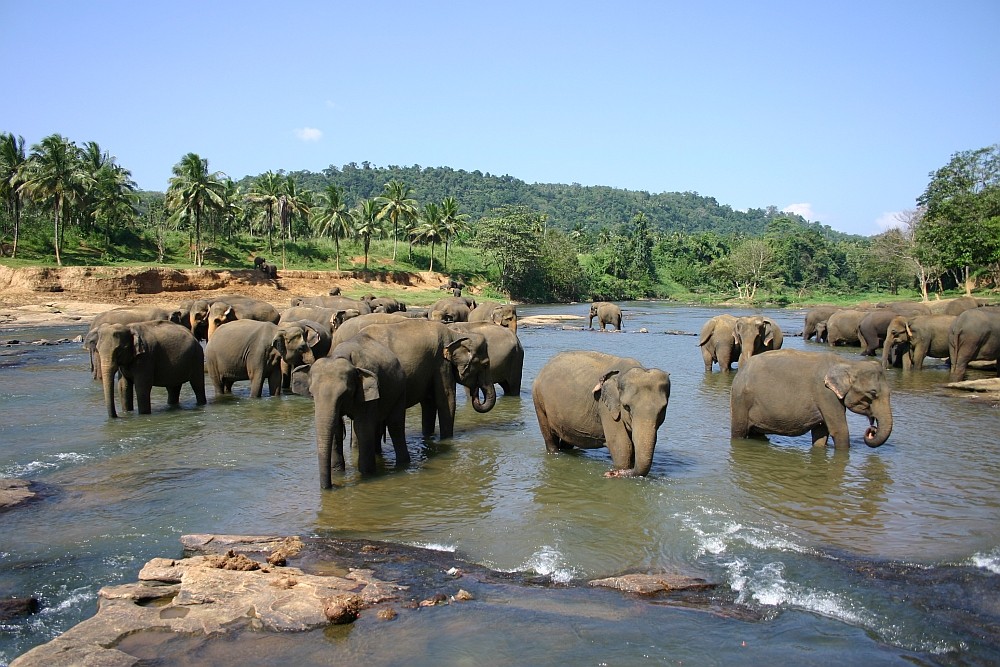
[(606, 313), (718, 342), (324, 316), (198, 311), (909, 340), (873, 329), (505, 351), (222, 312), (591, 400), (118, 316), (364, 381), (245, 350), (384, 304), (351, 327), (790, 392), (755, 334), (450, 309), (974, 336), (434, 358), (149, 354), (504, 314), (842, 327), (815, 324), (300, 343), (336, 302)]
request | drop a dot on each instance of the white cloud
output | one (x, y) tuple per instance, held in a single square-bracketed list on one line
[(805, 210), (888, 221), (308, 134)]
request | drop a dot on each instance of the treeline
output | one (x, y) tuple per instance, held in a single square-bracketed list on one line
[(535, 242)]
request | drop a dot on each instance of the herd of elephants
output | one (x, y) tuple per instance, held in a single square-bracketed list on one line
[(370, 359)]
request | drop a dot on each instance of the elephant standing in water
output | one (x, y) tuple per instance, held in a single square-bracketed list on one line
[(504, 314), (149, 354), (718, 342), (606, 313), (815, 324), (591, 400), (974, 336), (118, 316), (842, 327), (873, 328), (245, 350), (506, 354), (909, 340), (755, 334), (789, 392)]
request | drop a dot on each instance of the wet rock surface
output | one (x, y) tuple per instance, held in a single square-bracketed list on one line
[(16, 492)]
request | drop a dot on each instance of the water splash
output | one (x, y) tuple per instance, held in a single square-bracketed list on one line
[(989, 561), (549, 561)]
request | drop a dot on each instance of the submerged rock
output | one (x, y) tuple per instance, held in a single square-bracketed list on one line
[(14, 492)]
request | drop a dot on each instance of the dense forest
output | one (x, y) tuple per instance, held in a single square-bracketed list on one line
[(533, 242)]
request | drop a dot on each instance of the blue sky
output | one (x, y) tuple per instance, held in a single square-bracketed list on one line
[(837, 110)]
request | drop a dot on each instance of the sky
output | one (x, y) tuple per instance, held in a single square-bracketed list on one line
[(838, 111)]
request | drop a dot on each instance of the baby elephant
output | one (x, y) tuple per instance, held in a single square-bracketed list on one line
[(591, 400), (789, 392)]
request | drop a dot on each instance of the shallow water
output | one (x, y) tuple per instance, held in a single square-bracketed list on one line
[(781, 524)]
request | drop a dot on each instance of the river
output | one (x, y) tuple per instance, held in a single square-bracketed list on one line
[(866, 556)]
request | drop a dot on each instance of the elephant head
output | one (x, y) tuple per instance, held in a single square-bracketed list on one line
[(342, 315), (506, 316), (295, 342), (219, 313), (632, 405), (756, 334), (118, 345), (897, 342), (863, 389), (468, 356)]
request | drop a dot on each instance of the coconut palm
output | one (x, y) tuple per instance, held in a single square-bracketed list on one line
[(266, 190), (53, 174), (192, 192), (113, 197), (453, 223), (330, 216), (366, 223), (12, 161), (396, 205), (429, 230)]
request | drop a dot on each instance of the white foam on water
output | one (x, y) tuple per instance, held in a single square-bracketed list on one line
[(548, 561), (435, 546), (990, 561), (715, 533), (48, 463)]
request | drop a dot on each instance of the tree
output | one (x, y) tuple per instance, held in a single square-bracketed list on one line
[(53, 174), (748, 267), (366, 223), (265, 191), (962, 219), (12, 162), (192, 192), (332, 217), (429, 229), (510, 239), (396, 205), (453, 223)]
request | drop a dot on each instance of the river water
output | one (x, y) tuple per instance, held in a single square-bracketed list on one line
[(884, 556)]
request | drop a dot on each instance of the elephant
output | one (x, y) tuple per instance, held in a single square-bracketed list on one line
[(221, 312), (325, 316), (789, 392), (504, 314), (336, 302), (505, 351), (815, 322), (364, 381), (351, 327), (606, 313), (872, 329), (246, 350), (718, 342), (117, 316), (960, 305), (149, 354), (450, 309), (434, 358), (591, 400), (198, 311), (905, 307), (755, 334), (269, 270), (300, 343), (384, 304), (911, 339), (842, 327), (974, 336)]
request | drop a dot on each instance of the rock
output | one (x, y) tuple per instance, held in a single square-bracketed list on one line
[(14, 492), (15, 607), (651, 584)]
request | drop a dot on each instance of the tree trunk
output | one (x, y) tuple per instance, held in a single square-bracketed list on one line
[(55, 232)]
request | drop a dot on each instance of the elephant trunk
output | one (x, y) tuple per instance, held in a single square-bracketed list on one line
[(489, 397), (643, 445), (329, 440), (108, 371), (880, 429)]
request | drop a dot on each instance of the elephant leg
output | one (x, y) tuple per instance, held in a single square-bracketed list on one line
[(142, 397), (820, 435), (396, 425), (174, 394), (274, 382), (198, 386), (428, 416), (368, 436), (706, 355), (126, 389), (919, 352), (286, 375)]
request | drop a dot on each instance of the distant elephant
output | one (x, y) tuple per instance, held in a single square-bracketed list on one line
[(384, 304), (269, 270), (450, 309), (198, 311), (755, 334), (364, 381), (128, 315), (504, 314), (324, 316), (842, 327), (790, 392), (718, 342), (221, 312), (300, 343), (505, 351), (960, 305), (244, 350), (149, 354), (814, 318), (336, 302), (348, 329), (606, 313), (909, 340), (905, 307), (434, 358), (974, 336), (872, 329), (591, 400)]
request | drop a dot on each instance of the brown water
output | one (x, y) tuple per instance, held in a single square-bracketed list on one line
[(781, 524)]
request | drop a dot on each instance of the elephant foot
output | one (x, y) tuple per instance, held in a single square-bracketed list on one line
[(620, 472)]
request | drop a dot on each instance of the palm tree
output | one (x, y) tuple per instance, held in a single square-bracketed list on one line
[(430, 228), (114, 197), (194, 191), (232, 209), (266, 190), (331, 217), (53, 174), (12, 161), (396, 205), (452, 223), (366, 223)]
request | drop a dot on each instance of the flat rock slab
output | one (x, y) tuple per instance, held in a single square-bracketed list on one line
[(14, 492), (652, 584)]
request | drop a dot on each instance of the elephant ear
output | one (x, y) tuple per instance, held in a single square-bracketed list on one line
[(450, 348), (909, 331), (838, 380), (768, 331), (312, 336), (139, 343), (369, 384), (498, 315), (607, 393), (278, 343), (229, 314)]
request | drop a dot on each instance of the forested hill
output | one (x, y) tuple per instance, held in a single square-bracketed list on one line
[(568, 207)]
